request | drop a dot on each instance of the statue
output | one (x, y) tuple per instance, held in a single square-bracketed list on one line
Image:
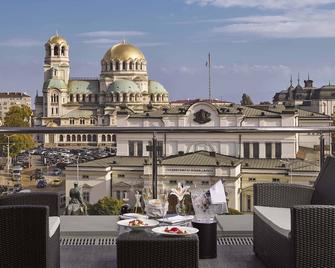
[(76, 205)]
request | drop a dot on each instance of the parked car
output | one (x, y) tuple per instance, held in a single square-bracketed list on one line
[(56, 182), (41, 183)]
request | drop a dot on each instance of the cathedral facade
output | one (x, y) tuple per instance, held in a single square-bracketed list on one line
[(123, 84)]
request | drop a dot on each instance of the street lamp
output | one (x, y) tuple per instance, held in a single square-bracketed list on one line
[(8, 162)]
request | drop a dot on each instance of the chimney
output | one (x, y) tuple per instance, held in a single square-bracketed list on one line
[(180, 152), (213, 154)]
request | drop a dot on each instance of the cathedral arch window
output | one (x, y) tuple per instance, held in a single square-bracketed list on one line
[(62, 51), (124, 65), (52, 98), (90, 98), (131, 65), (52, 110), (71, 121), (82, 121), (141, 66), (117, 66), (71, 97), (132, 98), (77, 97), (152, 97), (78, 137), (103, 138), (117, 97), (68, 138), (96, 98), (84, 137), (84, 98), (61, 138), (56, 51), (114, 138), (108, 137), (73, 137), (89, 138), (136, 66), (125, 97), (158, 97), (92, 121), (94, 137)]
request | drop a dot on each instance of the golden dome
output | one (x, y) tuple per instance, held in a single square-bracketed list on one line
[(123, 51), (57, 39)]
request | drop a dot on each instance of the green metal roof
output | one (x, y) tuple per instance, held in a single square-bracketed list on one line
[(83, 87), (124, 86), (155, 87), (114, 161), (297, 164), (79, 114), (201, 158), (54, 83)]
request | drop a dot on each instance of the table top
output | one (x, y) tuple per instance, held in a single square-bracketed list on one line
[(148, 235)]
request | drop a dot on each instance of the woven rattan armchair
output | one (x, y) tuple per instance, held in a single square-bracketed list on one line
[(25, 238), (294, 225)]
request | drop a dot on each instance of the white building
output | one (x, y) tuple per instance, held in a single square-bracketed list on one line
[(9, 99), (123, 84)]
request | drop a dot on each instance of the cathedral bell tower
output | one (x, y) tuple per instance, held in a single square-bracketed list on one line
[(56, 60)]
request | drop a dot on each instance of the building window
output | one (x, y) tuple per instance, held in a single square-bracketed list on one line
[(246, 147), (120, 175), (68, 138), (204, 182), (159, 148), (189, 182), (248, 202), (268, 150), (255, 146), (109, 137), (252, 179), (278, 150), (92, 121), (139, 148), (85, 177), (82, 121), (86, 196), (131, 145), (103, 138), (71, 121), (61, 138), (275, 180), (135, 148), (172, 181)]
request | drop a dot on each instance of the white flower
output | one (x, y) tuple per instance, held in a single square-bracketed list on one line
[(180, 192)]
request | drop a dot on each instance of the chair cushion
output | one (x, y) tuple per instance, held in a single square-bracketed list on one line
[(54, 222), (325, 184), (278, 218)]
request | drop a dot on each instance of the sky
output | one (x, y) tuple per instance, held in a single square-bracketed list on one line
[(255, 45)]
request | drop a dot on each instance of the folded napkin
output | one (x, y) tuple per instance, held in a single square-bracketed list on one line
[(176, 219), (155, 209), (133, 216)]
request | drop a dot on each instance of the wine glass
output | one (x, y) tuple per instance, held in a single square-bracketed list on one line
[(163, 197), (146, 195)]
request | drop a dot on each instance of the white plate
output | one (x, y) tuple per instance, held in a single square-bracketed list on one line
[(148, 223), (189, 230), (134, 216)]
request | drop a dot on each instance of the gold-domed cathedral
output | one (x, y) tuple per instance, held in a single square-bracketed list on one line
[(123, 86)]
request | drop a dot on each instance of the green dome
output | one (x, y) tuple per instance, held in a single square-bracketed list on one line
[(84, 87), (156, 88), (54, 83), (124, 86)]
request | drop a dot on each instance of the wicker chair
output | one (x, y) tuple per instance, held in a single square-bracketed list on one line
[(24, 230), (305, 234)]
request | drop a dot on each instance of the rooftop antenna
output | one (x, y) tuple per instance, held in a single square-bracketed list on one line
[(208, 64), (291, 81), (308, 75), (298, 79)]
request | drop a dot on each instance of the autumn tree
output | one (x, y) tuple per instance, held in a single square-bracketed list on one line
[(17, 116), (246, 100)]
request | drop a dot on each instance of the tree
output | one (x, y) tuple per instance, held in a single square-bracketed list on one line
[(246, 100), (105, 206), (17, 116)]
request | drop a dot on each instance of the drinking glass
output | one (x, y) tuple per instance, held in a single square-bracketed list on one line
[(163, 197)]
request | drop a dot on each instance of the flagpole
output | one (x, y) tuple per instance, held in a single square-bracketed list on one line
[(209, 77)]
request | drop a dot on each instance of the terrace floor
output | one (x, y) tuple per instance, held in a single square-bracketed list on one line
[(89, 241)]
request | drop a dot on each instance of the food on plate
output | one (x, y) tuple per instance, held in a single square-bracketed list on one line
[(174, 230), (137, 223)]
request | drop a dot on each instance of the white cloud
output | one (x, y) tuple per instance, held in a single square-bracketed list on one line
[(101, 41), (20, 42), (263, 4), (302, 24), (108, 34)]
